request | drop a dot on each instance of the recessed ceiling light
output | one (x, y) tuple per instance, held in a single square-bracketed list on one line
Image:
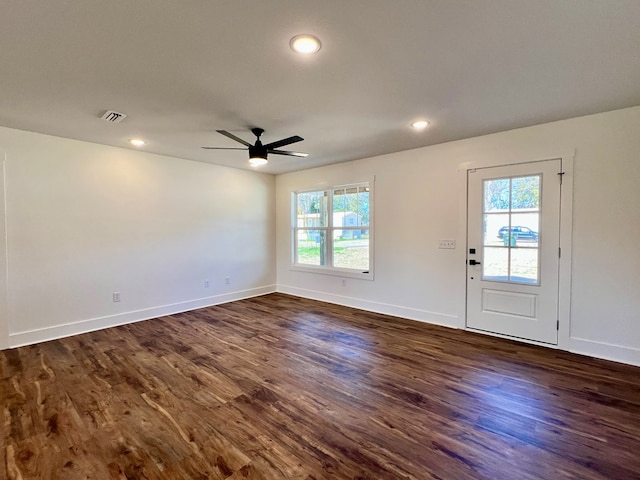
[(136, 142), (305, 44), (420, 124), (257, 162)]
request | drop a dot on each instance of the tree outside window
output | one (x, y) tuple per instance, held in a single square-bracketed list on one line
[(332, 228)]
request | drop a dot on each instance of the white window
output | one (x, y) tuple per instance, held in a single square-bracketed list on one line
[(332, 230)]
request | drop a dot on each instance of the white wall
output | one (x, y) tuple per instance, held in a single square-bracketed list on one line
[(421, 193), (85, 220)]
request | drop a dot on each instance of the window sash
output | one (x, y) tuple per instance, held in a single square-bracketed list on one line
[(305, 221)]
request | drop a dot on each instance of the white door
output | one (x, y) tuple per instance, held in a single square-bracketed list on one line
[(513, 250)]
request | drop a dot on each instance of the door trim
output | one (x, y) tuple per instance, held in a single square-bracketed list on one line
[(4, 256), (566, 228)]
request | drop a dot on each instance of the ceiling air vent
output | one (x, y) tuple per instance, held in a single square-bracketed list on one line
[(113, 117)]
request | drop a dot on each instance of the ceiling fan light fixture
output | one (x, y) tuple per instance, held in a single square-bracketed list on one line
[(257, 161), (305, 44)]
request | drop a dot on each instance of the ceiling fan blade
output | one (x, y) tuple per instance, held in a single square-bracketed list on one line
[(233, 137), (283, 142), (224, 148), (286, 152)]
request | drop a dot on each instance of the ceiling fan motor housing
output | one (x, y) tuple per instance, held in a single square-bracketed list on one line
[(258, 150)]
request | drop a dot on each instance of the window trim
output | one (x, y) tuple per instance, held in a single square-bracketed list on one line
[(328, 269)]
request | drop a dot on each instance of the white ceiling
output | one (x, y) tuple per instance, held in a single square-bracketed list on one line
[(182, 69)]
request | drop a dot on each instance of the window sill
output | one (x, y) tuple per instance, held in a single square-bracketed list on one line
[(336, 272)]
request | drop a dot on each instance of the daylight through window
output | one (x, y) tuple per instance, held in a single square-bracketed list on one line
[(332, 229), (511, 224)]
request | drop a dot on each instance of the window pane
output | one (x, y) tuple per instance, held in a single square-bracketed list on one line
[(312, 209), (363, 205), (351, 249), (496, 226), (496, 195), (524, 265), (525, 228), (351, 206), (311, 247), (495, 264), (525, 193)]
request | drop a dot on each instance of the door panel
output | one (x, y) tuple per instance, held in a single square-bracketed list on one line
[(514, 230)]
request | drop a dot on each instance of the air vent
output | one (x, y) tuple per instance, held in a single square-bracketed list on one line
[(113, 117)]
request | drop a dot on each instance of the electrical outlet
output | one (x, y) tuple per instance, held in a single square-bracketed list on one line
[(206, 284), (447, 244), (227, 280), (116, 296)]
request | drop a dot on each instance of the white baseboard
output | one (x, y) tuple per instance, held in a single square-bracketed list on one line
[(426, 316), (606, 351), (83, 326)]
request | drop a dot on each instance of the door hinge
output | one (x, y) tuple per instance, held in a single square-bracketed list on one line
[(558, 325), (560, 174), (559, 252)]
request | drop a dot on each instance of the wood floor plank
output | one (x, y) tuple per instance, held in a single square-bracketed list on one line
[(278, 387)]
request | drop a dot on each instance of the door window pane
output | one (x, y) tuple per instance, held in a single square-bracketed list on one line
[(524, 265), (494, 228), (525, 228), (496, 195), (525, 193), (511, 229), (495, 264)]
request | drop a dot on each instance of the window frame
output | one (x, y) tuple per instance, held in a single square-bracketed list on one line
[(329, 269)]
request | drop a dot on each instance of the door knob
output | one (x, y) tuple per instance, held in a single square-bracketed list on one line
[(473, 262)]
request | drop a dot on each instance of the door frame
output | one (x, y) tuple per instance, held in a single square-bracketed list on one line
[(566, 229), (4, 256)]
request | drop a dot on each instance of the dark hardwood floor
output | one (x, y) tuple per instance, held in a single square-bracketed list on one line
[(278, 387)]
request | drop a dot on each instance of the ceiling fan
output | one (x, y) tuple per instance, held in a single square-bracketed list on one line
[(258, 152)]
